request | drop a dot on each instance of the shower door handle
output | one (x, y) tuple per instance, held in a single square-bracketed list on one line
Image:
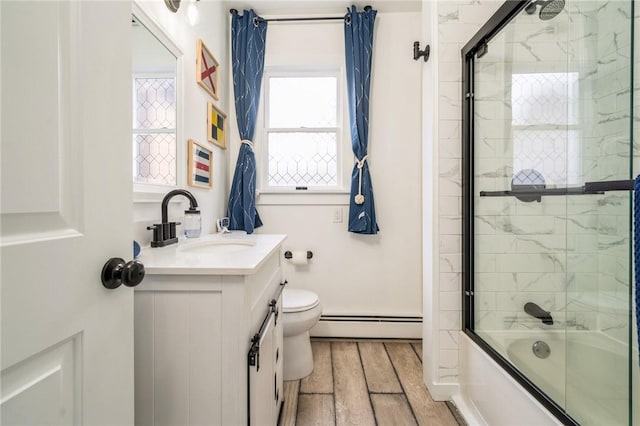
[(609, 185), (589, 188)]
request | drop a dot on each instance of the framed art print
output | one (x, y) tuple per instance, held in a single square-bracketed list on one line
[(207, 69), (216, 126), (200, 165)]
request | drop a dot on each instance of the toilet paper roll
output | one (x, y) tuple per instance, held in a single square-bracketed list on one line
[(299, 257)]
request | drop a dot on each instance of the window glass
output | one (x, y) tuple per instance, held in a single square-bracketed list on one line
[(302, 159), (302, 102), (302, 132)]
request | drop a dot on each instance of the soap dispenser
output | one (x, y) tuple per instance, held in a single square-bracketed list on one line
[(192, 223)]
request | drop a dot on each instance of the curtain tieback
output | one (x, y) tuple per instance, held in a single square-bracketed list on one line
[(247, 142), (359, 199)]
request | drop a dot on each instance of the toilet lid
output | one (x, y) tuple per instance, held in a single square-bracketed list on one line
[(294, 300)]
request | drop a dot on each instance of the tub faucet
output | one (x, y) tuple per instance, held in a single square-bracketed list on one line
[(164, 233), (536, 311)]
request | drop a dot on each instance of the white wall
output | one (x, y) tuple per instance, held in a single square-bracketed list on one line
[(357, 274), (213, 29)]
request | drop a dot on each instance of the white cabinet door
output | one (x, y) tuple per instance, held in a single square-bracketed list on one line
[(66, 208)]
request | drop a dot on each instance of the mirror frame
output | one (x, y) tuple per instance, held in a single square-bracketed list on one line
[(143, 193)]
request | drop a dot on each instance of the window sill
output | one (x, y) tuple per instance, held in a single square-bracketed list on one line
[(303, 198)]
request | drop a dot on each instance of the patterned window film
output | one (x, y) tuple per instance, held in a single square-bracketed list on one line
[(154, 131), (545, 126), (302, 131)]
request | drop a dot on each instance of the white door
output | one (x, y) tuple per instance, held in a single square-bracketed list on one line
[(66, 341)]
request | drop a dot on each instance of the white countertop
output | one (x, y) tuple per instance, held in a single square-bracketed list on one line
[(235, 253)]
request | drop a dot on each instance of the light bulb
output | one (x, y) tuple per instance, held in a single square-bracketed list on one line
[(193, 15)]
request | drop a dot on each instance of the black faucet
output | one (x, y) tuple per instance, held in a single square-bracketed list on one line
[(164, 233), (536, 311)]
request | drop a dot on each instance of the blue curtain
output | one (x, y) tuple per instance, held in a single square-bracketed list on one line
[(248, 36), (358, 38)]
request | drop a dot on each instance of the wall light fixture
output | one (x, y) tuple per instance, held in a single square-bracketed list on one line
[(172, 5)]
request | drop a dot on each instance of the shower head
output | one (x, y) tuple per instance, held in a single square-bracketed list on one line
[(549, 9)]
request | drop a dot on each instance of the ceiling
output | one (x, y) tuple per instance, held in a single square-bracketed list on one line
[(315, 7)]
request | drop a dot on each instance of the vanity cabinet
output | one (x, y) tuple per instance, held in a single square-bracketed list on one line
[(193, 337)]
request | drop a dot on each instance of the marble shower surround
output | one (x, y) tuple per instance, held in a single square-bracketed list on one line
[(545, 252)]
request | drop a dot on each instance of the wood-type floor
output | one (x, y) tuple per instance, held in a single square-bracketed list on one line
[(364, 383)]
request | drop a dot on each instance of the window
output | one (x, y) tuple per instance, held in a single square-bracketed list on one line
[(545, 126), (154, 130), (302, 132)]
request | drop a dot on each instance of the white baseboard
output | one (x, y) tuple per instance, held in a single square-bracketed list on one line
[(368, 328), (443, 391)]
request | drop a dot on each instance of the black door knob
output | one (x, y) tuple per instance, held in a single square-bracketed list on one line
[(116, 272)]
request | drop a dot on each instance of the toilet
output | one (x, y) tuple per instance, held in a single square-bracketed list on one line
[(301, 311)]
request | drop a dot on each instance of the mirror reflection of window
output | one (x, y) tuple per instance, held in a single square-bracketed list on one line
[(154, 110), (545, 126)]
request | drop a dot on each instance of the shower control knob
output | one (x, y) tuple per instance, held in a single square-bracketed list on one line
[(116, 272)]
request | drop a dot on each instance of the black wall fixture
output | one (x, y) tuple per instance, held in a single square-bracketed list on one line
[(417, 53)]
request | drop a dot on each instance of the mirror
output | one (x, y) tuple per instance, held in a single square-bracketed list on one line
[(155, 106)]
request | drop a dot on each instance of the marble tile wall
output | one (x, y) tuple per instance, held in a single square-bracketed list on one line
[(612, 93), (524, 249), (458, 21), (566, 254)]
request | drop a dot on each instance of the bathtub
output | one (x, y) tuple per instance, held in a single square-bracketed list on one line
[(586, 372), (592, 356)]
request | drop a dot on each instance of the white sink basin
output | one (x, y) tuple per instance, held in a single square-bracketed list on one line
[(235, 253), (217, 246)]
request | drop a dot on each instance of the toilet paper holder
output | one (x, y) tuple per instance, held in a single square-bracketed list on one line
[(288, 255)]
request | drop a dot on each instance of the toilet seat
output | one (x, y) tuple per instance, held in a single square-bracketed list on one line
[(294, 300)]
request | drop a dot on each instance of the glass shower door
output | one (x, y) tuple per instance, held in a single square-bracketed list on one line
[(599, 225), (551, 168)]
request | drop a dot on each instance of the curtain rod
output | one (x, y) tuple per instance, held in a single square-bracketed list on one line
[(318, 18)]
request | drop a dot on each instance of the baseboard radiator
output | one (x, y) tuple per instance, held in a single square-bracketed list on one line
[(368, 326)]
